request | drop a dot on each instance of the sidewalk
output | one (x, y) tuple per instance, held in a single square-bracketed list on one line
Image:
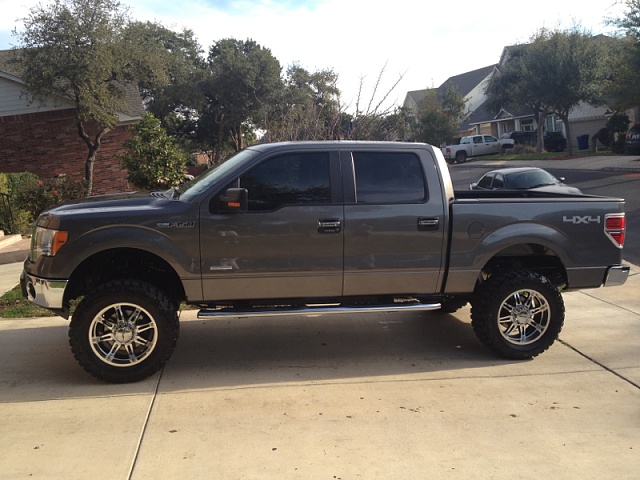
[(401, 396), (13, 251)]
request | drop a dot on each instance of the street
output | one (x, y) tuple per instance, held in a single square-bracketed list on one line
[(592, 182)]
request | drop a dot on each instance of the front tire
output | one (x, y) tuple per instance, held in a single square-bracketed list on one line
[(517, 314), (124, 331)]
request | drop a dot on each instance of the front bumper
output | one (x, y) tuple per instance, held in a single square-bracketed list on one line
[(43, 292), (616, 275)]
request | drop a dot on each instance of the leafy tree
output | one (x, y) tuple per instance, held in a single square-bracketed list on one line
[(553, 74), (573, 66), (439, 119), (307, 107), (513, 84), (152, 159), (79, 49), (243, 79), (625, 90), (175, 100)]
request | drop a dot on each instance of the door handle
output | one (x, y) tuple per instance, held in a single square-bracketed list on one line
[(332, 225), (428, 223)]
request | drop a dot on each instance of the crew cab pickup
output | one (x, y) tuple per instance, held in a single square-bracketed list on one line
[(475, 146), (317, 228)]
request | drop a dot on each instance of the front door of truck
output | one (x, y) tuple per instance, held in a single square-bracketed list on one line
[(394, 224), (288, 243)]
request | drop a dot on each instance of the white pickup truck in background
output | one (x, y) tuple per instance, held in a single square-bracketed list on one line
[(475, 146)]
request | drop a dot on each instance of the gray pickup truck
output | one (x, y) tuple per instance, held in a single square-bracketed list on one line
[(317, 228)]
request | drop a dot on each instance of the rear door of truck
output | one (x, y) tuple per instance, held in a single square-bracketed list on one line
[(394, 221)]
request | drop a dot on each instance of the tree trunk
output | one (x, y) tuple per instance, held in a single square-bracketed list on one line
[(93, 147), (541, 116), (238, 138), (217, 149), (565, 120)]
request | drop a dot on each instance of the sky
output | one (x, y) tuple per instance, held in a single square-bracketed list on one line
[(416, 43)]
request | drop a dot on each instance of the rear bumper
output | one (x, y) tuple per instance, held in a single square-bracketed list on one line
[(616, 275)]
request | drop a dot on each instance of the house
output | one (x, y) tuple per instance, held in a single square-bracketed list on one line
[(469, 85), (584, 119), (43, 138)]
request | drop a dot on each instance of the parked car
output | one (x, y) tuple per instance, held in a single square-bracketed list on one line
[(523, 178), (632, 140), (554, 142)]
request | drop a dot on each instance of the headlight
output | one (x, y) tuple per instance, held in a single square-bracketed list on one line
[(46, 242)]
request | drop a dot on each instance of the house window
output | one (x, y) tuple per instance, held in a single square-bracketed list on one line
[(527, 125), (552, 124)]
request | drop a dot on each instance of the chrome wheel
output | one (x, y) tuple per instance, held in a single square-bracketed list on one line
[(524, 317), (517, 313), (123, 334)]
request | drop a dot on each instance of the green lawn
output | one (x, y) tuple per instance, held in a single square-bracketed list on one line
[(13, 305), (518, 157)]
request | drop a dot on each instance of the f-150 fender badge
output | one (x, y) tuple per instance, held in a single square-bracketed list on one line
[(581, 220), (176, 224)]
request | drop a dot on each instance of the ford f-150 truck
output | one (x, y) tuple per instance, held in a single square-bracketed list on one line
[(317, 228), (475, 146)]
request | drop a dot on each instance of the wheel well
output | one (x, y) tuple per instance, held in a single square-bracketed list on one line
[(124, 263), (532, 257)]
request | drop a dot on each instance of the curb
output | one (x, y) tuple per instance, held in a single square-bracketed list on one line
[(8, 240)]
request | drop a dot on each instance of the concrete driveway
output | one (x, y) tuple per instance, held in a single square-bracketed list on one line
[(388, 396)]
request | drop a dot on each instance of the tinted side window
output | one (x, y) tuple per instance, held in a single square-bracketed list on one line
[(485, 182), (498, 182), (389, 178), (293, 179)]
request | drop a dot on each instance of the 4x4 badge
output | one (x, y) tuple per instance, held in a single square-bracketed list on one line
[(581, 220)]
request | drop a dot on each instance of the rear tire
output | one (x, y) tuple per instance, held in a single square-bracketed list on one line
[(517, 314), (461, 157), (124, 331)]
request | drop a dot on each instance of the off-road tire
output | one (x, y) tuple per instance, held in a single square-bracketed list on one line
[(124, 331), (517, 314)]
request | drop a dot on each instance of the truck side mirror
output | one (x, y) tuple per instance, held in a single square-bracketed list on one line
[(234, 200)]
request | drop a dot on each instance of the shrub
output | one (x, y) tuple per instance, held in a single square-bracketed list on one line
[(523, 148), (152, 159), (30, 196)]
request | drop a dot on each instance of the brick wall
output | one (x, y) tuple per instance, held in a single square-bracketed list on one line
[(48, 143)]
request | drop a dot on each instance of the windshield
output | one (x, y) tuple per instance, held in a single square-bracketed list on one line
[(531, 179), (203, 183)]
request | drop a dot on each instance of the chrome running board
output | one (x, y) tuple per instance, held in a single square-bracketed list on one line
[(332, 309)]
